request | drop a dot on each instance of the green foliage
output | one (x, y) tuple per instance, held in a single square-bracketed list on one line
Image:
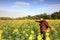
[(56, 15)]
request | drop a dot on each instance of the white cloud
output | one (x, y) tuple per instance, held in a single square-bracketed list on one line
[(18, 4), (7, 13)]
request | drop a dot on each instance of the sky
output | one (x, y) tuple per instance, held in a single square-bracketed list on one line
[(21, 8)]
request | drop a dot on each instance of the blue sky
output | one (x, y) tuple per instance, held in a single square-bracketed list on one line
[(20, 8)]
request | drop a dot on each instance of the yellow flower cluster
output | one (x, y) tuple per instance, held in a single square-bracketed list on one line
[(31, 37), (15, 31), (1, 31)]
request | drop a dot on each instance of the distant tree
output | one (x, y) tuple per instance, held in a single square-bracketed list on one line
[(29, 17), (59, 15), (55, 15), (5, 18)]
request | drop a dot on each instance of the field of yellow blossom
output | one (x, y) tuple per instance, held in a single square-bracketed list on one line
[(27, 30)]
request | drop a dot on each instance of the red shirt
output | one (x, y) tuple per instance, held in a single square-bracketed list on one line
[(44, 25)]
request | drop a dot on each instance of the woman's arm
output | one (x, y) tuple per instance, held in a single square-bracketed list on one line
[(37, 20)]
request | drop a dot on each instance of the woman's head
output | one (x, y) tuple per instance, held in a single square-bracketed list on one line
[(42, 19)]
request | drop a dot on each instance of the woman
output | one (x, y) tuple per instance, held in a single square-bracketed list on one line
[(43, 27)]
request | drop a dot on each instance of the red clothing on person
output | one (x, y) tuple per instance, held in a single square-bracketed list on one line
[(44, 25)]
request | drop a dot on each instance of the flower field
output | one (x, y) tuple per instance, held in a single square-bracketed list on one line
[(27, 30)]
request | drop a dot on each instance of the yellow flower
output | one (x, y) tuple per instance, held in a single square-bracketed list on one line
[(48, 30), (30, 38), (32, 31), (47, 38), (39, 37), (15, 31), (47, 34), (23, 31), (1, 31), (26, 34)]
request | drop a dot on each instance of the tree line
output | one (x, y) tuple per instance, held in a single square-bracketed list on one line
[(55, 15)]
